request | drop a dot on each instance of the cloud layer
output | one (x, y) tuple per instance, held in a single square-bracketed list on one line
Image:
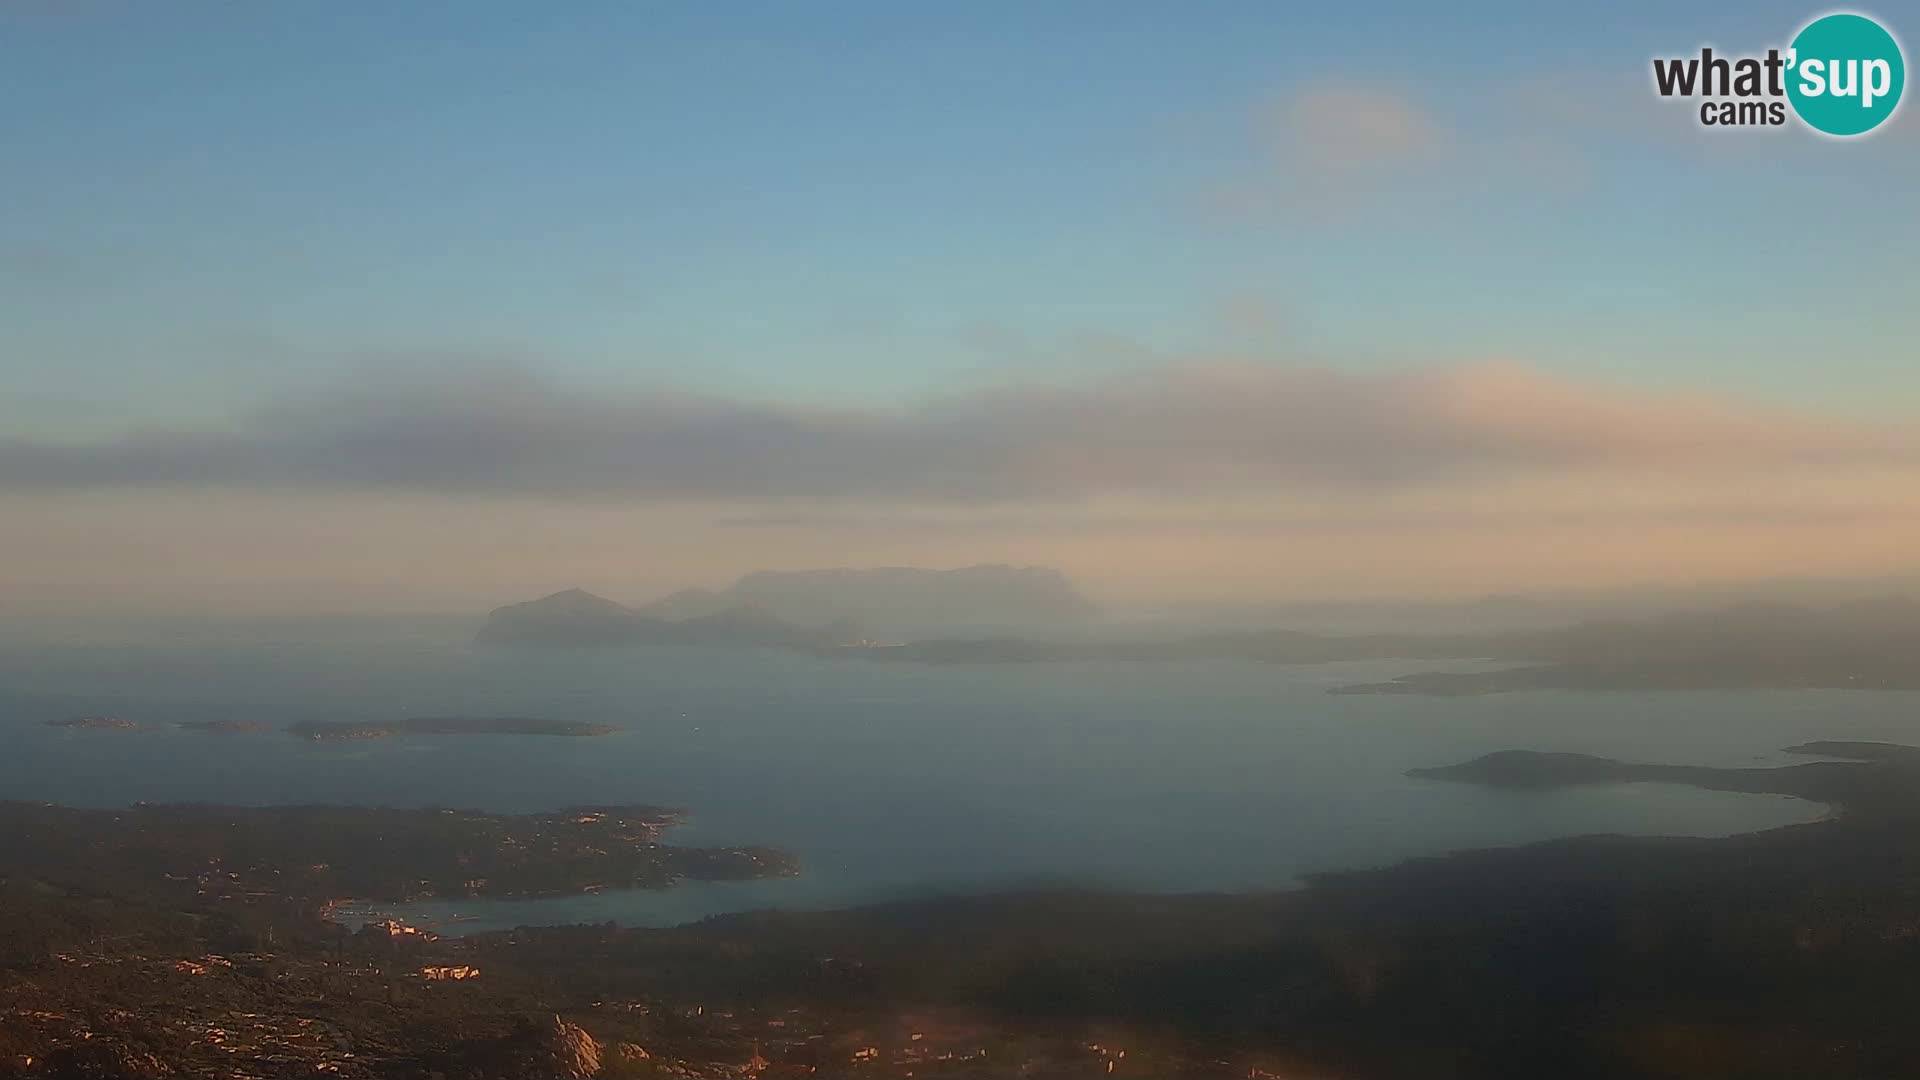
[(1195, 428)]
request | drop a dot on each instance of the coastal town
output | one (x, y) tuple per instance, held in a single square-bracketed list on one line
[(215, 941), (395, 1000)]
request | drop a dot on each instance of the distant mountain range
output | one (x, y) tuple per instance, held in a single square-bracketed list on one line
[(896, 602), (806, 609), (1866, 645), (576, 617)]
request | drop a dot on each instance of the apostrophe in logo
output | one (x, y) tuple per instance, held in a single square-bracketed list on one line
[(1842, 75), (1845, 74)]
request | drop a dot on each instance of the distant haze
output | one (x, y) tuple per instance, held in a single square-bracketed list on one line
[(1235, 483), (897, 601)]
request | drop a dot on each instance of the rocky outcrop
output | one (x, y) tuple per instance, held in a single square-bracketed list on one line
[(105, 1059), (549, 1048), (95, 723)]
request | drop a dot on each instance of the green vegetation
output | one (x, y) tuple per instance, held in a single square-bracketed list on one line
[(1788, 953)]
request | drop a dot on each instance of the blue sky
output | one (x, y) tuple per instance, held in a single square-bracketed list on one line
[(854, 201)]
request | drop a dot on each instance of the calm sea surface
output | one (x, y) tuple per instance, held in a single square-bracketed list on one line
[(889, 780)]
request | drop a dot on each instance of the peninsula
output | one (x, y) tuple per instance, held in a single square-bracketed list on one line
[(312, 854), (191, 941)]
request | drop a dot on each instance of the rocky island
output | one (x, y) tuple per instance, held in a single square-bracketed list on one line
[(95, 723), (810, 610), (330, 731)]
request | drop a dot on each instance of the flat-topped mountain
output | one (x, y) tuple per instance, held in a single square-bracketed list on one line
[(896, 601), (577, 617)]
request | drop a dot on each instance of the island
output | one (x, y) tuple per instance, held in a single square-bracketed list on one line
[(194, 941), (1864, 646), (225, 727), (1264, 646), (810, 610), (1753, 671), (897, 601), (347, 730), (95, 723), (1875, 779)]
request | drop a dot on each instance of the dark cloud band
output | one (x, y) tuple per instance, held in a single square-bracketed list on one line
[(1197, 428)]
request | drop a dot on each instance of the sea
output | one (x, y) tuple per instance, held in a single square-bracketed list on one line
[(885, 780)]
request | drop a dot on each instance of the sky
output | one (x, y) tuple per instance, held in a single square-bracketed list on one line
[(431, 305)]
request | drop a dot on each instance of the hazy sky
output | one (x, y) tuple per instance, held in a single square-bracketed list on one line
[(435, 304)]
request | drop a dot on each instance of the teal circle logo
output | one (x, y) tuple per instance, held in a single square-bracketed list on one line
[(1845, 74)]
